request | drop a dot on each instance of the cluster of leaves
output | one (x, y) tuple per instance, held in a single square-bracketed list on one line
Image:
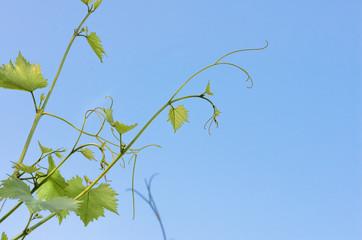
[(57, 195)]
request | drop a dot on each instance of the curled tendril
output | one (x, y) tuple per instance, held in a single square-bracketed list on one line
[(218, 63), (111, 101), (212, 120)]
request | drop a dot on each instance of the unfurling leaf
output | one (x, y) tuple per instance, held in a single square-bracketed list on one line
[(94, 201), (42, 97), (4, 237), (96, 45), (109, 115), (87, 153), (96, 4), (177, 116), (24, 168), (23, 76), (16, 189), (207, 91), (122, 128), (44, 149), (87, 1)]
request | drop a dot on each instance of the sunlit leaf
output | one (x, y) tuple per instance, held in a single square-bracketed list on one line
[(23, 76), (207, 91), (93, 202), (122, 128), (16, 189), (44, 149), (109, 115), (177, 116), (96, 4), (87, 1), (24, 168), (87, 153), (96, 45), (59, 155), (54, 186), (4, 237)]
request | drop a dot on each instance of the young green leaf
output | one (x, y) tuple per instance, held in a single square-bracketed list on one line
[(59, 155), (96, 45), (122, 128), (94, 202), (207, 91), (87, 1), (88, 153), (44, 149), (16, 189), (23, 76), (96, 4), (54, 186), (109, 115), (4, 237), (177, 116), (24, 168)]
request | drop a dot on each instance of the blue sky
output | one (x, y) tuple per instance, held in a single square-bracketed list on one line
[(285, 162)]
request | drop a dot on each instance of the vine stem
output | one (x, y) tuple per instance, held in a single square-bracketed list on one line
[(41, 110)]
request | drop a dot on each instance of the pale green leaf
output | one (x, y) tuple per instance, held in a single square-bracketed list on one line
[(87, 153), (177, 116), (59, 155), (94, 201), (87, 1), (23, 76), (87, 180), (44, 149), (54, 186), (96, 4), (42, 97), (24, 168), (207, 91), (96, 45), (4, 237), (122, 128), (109, 115), (16, 189)]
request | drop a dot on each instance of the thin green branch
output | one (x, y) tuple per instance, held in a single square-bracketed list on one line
[(32, 96), (86, 133), (39, 113)]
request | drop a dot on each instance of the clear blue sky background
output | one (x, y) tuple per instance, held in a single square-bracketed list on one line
[(285, 163)]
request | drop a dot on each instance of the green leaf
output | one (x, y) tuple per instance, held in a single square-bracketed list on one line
[(4, 237), (87, 1), (177, 116), (94, 201), (88, 153), (16, 189), (96, 4), (109, 115), (207, 91), (96, 45), (59, 155), (42, 97), (44, 149), (24, 168), (23, 76), (54, 186), (122, 128)]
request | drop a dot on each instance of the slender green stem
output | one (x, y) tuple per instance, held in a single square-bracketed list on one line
[(86, 133), (27, 225), (32, 96), (191, 78), (39, 113)]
